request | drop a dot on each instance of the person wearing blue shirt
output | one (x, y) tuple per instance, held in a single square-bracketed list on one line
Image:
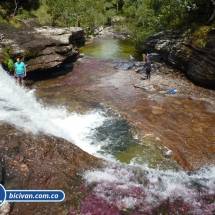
[(20, 71)]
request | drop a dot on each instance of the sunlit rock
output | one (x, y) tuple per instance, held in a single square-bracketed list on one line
[(43, 47), (186, 51)]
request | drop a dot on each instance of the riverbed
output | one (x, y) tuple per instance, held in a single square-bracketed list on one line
[(158, 147), (181, 124)]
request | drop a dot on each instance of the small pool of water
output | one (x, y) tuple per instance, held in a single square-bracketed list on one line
[(115, 137), (113, 49)]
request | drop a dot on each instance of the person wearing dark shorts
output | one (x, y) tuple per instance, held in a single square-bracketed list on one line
[(148, 67), (20, 71)]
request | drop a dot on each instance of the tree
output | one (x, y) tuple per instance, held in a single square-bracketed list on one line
[(173, 13), (140, 20), (16, 7), (213, 14), (87, 14), (12, 6)]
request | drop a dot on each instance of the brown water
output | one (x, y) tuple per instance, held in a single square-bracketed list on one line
[(182, 123)]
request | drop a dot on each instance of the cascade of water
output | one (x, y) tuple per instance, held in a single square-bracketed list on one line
[(149, 191), (21, 109), (121, 186)]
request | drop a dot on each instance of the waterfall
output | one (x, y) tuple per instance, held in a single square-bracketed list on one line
[(21, 109), (123, 186)]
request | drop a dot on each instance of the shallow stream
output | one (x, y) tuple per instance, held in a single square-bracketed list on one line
[(95, 108)]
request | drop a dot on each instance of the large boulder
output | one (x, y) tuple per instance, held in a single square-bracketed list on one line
[(42, 162), (42, 47), (191, 52)]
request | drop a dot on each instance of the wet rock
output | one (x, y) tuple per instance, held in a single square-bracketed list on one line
[(185, 114), (29, 82), (156, 57), (0, 173), (124, 65), (122, 36), (80, 55), (119, 36), (42, 162), (166, 152), (157, 110), (1, 37), (5, 208)]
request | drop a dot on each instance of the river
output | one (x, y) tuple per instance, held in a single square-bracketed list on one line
[(93, 107)]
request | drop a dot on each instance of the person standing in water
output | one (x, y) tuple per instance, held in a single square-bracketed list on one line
[(20, 71), (148, 67)]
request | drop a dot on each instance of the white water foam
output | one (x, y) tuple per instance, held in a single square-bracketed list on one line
[(21, 109), (150, 187)]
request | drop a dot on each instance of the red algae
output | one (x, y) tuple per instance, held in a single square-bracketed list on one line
[(94, 204), (158, 194)]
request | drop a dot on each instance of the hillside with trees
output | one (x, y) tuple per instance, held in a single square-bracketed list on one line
[(140, 18)]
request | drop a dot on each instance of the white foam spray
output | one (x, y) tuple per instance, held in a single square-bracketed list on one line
[(118, 184), (145, 189), (21, 109)]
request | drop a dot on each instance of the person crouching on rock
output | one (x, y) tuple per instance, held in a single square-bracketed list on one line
[(131, 58), (148, 67), (20, 71)]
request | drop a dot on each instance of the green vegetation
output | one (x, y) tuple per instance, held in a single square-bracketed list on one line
[(43, 17), (7, 60), (140, 18), (15, 23), (200, 35)]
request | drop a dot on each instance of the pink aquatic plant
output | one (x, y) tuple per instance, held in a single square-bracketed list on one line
[(95, 205), (72, 212), (118, 192)]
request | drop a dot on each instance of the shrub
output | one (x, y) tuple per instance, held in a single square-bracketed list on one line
[(7, 61)]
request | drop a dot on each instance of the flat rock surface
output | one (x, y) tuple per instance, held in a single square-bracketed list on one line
[(183, 122)]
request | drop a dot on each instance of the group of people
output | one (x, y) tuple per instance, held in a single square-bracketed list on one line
[(20, 68), (147, 64)]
